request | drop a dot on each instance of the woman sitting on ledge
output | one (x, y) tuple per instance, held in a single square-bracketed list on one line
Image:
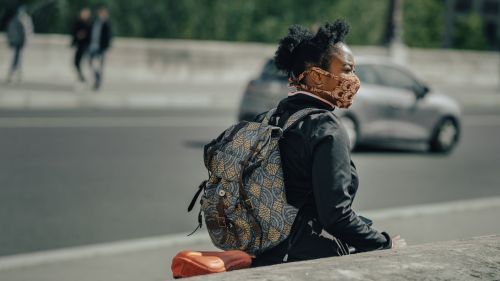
[(320, 178)]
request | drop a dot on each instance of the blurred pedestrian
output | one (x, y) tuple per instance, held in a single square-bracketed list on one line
[(81, 39), (100, 41), (19, 29)]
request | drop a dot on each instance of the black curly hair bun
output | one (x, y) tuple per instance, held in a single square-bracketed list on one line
[(296, 35), (331, 33), (301, 47)]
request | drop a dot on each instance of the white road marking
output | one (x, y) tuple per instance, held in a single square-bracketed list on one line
[(113, 248), (434, 209), (87, 122), (130, 246)]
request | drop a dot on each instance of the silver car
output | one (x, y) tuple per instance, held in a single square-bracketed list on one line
[(391, 107)]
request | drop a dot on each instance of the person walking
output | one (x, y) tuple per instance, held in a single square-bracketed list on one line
[(100, 41), (19, 29), (320, 177), (81, 39)]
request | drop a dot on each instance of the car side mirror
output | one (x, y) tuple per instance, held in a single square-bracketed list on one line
[(421, 91)]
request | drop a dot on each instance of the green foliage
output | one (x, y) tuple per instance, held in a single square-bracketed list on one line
[(469, 33), (233, 20), (260, 20), (423, 23), (366, 17)]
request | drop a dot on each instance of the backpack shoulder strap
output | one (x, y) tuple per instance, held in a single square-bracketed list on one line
[(299, 115), (268, 116)]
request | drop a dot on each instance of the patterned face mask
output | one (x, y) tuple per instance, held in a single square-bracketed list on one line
[(341, 96)]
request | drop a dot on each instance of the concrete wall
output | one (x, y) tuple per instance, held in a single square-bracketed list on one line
[(473, 259), (49, 57)]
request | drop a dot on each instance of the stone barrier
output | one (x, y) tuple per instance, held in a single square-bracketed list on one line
[(49, 58), (474, 259)]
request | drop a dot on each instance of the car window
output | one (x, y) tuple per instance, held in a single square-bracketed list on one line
[(271, 72), (394, 77), (366, 74)]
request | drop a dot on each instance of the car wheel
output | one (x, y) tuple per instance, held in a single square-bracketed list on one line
[(445, 136), (352, 130)]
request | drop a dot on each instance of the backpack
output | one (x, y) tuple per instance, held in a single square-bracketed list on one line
[(244, 202)]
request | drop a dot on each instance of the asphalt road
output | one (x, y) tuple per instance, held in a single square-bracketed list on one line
[(74, 178)]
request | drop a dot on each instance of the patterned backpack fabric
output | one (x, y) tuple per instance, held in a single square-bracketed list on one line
[(243, 201)]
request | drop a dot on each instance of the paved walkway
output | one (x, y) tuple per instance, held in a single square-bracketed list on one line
[(43, 95), (474, 99), (65, 95)]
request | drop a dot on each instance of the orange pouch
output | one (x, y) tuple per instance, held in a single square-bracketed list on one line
[(192, 263)]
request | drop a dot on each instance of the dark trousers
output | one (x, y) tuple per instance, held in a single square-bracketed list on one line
[(80, 52), (306, 241), (96, 61), (16, 61)]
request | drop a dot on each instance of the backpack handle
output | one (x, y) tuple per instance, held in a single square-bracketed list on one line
[(268, 116), (292, 120), (299, 115)]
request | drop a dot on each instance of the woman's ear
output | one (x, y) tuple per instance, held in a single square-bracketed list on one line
[(316, 78)]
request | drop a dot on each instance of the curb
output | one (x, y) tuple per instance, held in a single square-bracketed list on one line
[(471, 259), (51, 101), (96, 250), (194, 96), (110, 101)]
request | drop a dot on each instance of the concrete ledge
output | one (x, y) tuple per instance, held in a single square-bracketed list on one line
[(49, 57), (477, 258)]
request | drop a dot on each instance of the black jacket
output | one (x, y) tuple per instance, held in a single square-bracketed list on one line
[(81, 34), (321, 180), (16, 34), (106, 36)]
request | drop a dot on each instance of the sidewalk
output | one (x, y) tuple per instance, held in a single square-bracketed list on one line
[(43, 95), (149, 259), (128, 95), (474, 99)]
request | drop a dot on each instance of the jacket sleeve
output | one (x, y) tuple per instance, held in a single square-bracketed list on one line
[(333, 193)]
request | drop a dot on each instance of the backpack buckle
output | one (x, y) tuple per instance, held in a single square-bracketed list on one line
[(276, 132), (221, 221)]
